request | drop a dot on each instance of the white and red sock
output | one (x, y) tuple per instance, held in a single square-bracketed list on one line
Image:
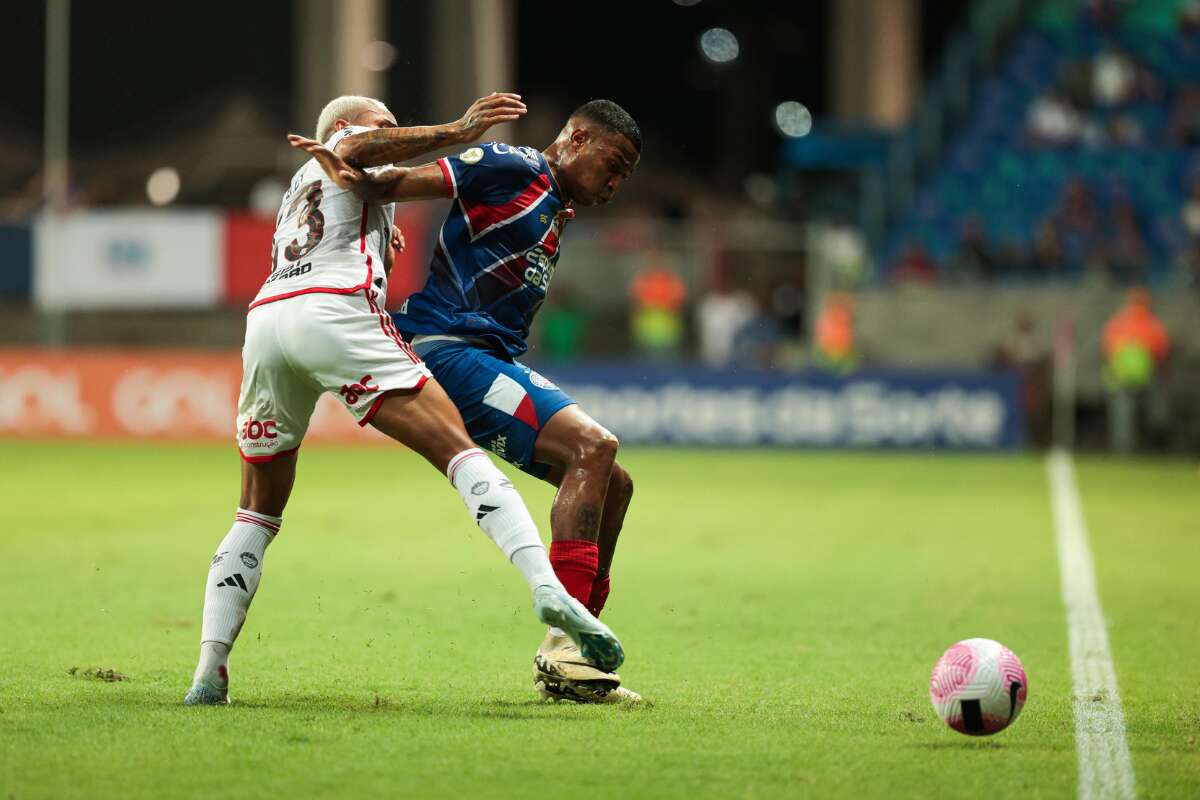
[(233, 578)]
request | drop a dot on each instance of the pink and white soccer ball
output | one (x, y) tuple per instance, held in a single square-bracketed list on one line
[(978, 687)]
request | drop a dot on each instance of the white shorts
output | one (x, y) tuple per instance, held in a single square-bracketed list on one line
[(298, 348)]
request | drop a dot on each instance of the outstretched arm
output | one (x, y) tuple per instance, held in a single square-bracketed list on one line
[(389, 145), (387, 185)]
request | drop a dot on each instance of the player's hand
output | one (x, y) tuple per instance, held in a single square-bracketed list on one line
[(397, 240), (485, 112), (341, 173)]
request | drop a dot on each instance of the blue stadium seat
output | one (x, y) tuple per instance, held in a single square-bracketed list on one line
[(990, 168)]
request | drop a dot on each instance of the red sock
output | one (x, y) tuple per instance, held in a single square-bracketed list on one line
[(575, 562), (600, 589)]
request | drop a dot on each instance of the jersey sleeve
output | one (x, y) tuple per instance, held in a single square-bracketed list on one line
[(489, 172), (349, 130)]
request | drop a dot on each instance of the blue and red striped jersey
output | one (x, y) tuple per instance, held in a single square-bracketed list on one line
[(496, 252)]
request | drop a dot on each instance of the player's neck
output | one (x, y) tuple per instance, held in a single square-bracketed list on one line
[(551, 155)]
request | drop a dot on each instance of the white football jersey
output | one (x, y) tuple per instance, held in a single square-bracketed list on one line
[(326, 239)]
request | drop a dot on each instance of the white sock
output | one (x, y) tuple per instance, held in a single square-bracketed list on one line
[(214, 660), (233, 578), (499, 510)]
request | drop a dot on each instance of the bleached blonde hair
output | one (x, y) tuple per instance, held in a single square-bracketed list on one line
[(346, 107)]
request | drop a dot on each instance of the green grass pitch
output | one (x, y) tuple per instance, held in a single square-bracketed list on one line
[(782, 611)]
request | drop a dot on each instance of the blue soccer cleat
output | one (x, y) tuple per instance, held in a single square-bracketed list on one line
[(597, 643)]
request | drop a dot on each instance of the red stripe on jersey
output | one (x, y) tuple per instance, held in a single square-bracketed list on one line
[(550, 242), (482, 218), (312, 290), (448, 177), (510, 270)]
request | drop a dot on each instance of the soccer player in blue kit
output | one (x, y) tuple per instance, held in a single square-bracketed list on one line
[(493, 263)]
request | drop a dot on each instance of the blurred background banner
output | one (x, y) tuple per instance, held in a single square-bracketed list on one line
[(191, 395), (128, 259), (829, 192), (815, 409), (149, 395)]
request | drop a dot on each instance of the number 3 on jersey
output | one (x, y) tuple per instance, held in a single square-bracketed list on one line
[(310, 218)]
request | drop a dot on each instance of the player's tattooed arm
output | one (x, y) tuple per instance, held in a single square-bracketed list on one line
[(381, 146), (385, 185)]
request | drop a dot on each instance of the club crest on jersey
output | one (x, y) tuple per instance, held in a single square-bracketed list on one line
[(541, 381), (472, 155)]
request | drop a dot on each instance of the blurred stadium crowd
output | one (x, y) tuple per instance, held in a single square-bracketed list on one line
[(1079, 160)]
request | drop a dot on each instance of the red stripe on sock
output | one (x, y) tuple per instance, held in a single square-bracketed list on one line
[(599, 596), (453, 466), (271, 526), (575, 562)]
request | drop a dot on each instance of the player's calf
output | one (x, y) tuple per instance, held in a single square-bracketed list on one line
[(616, 505)]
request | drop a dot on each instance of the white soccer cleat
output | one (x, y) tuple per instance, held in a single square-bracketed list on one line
[(596, 642), (209, 692), (560, 672)]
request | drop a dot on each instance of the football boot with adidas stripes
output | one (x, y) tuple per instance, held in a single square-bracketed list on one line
[(561, 672)]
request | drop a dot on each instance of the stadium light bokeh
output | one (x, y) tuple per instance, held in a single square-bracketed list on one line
[(719, 45), (793, 119), (162, 187), (378, 56)]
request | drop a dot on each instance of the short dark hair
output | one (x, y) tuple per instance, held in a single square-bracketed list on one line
[(613, 117)]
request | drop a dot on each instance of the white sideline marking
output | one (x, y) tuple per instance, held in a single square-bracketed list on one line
[(1105, 769)]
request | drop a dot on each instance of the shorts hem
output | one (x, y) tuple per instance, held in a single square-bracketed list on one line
[(267, 457), (370, 415), (530, 465), (567, 401)]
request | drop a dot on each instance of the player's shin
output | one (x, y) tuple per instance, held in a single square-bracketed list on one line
[(233, 578), (501, 513)]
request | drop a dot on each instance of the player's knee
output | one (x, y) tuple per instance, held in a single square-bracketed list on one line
[(599, 450)]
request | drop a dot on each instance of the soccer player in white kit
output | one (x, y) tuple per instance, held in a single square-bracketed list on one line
[(317, 325)]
